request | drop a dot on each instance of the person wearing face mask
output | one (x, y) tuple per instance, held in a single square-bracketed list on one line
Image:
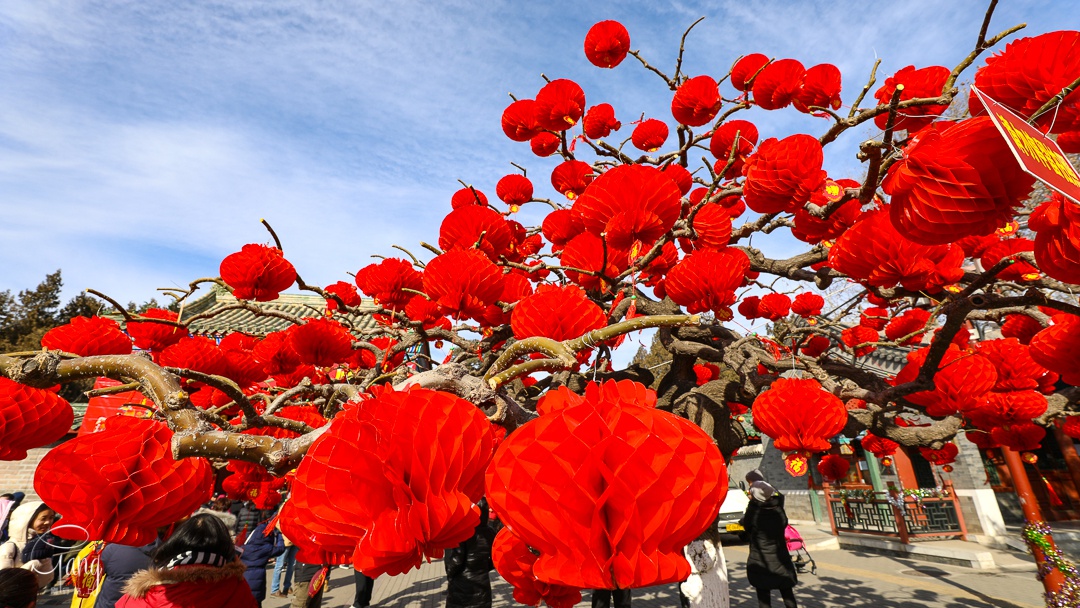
[(28, 546)]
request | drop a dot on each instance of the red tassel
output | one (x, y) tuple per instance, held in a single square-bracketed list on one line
[(1055, 500)]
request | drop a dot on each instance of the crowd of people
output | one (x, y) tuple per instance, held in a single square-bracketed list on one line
[(219, 557)]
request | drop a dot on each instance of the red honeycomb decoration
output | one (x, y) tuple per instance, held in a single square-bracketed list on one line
[(1021, 437), (87, 337), (559, 313), (30, 418), (400, 474), (947, 454), (1071, 426), (745, 69), (799, 415), (253, 483), (696, 102), (783, 173), (121, 484), (923, 82), (910, 323), (560, 104), (514, 190), (1058, 348), (778, 84), (1057, 238), (879, 446), (607, 488), (820, 89), (807, 304), (600, 121), (723, 140), (387, 282), (321, 342), (707, 280), (833, 467), (571, 178), (955, 180), (464, 282), (960, 385), (463, 228), (257, 272), (514, 562), (468, 196), (153, 336), (607, 44), (315, 543)]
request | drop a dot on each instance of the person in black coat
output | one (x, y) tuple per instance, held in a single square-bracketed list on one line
[(259, 547), (468, 565), (119, 563), (769, 565)]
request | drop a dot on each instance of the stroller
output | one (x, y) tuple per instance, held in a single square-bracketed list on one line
[(796, 546)]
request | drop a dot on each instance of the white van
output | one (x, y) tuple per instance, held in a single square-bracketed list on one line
[(731, 511)]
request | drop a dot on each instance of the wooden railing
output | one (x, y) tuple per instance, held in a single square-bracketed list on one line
[(906, 515)]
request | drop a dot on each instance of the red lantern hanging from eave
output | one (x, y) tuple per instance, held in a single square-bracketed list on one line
[(630, 204), (606, 44), (946, 455), (606, 488), (696, 102), (799, 415), (153, 336), (514, 562), (464, 282), (388, 280), (30, 418), (955, 180), (401, 473), (121, 484), (1028, 73), (1058, 348), (88, 337), (833, 467), (921, 83), (782, 174), (257, 272), (707, 280)]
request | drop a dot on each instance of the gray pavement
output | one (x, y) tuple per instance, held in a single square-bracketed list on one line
[(845, 578)]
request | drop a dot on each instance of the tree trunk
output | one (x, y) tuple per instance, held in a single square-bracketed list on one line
[(707, 586)]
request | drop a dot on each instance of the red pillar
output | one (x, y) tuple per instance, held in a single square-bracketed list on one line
[(1053, 580)]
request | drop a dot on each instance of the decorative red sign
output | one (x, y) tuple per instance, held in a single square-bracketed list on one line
[(1037, 154), (129, 403)]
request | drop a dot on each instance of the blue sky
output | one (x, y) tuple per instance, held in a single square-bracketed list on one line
[(142, 141)]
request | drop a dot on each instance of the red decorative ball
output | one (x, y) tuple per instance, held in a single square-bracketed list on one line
[(31, 418), (514, 562), (257, 272), (799, 415), (87, 337)]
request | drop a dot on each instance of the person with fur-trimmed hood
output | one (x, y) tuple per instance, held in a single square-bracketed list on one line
[(197, 567)]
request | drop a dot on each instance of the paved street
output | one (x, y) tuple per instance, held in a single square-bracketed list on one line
[(848, 579)]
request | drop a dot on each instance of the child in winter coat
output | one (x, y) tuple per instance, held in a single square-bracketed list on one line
[(259, 547)]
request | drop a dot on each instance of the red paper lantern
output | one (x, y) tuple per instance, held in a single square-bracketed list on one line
[(833, 467), (559, 105), (88, 337), (724, 138), (807, 304), (607, 44), (924, 82), (121, 484), (600, 121), (344, 291), (980, 438), (815, 346), (468, 197), (874, 252), (820, 88), (519, 120), (315, 543), (276, 353), (813, 230), (707, 280), (1016, 369), (912, 321), (472, 226), (783, 173), (606, 488), (545, 144), (387, 281), (945, 455), (857, 336), (149, 335), (1071, 426), (1029, 73), (514, 190), (1021, 327), (196, 353), (571, 178), (587, 252), (706, 373), (1057, 238), (650, 135), (1058, 348), (630, 204), (778, 84), (955, 180), (514, 562), (748, 307), (31, 418), (712, 225), (799, 415), (257, 272), (696, 102), (874, 317), (259, 487), (400, 474), (560, 226), (321, 342), (1017, 270), (678, 174), (463, 282), (1022, 437), (745, 69), (879, 446), (559, 313), (961, 383), (774, 306)]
